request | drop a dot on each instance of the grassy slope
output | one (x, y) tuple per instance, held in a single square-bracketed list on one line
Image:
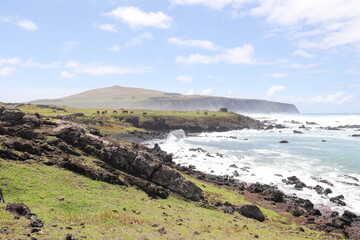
[(89, 207)]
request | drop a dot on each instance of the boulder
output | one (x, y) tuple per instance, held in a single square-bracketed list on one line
[(18, 209), (284, 141), (276, 196), (1, 197), (11, 115), (25, 131), (252, 211), (170, 179), (338, 200)]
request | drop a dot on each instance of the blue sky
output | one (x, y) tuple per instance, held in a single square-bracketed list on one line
[(301, 52)]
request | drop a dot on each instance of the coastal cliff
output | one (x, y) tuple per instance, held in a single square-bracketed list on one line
[(136, 98)]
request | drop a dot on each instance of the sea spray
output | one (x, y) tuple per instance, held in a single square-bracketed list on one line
[(317, 154)]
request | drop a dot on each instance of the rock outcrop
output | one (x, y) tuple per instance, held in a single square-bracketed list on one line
[(69, 141)]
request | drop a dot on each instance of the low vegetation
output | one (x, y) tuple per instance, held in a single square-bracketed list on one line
[(73, 205)]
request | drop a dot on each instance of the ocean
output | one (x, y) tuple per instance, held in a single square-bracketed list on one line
[(318, 156)]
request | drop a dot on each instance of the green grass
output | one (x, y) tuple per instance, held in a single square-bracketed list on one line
[(88, 208)]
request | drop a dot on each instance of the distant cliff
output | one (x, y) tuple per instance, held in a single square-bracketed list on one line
[(215, 103), (136, 98)]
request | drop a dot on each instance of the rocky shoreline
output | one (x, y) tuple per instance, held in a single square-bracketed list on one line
[(66, 144)]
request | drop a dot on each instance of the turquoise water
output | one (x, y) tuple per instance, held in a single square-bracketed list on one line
[(261, 158)]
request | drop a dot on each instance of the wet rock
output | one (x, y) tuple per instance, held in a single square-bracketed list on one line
[(233, 166), (355, 135), (327, 191), (236, 174), (280, 126), (338, 200), (197, 150), (297, 132), (270, 127), (319, 189), (319, 179), (294, 181), (351, 177), (311, 123), (258, 188), (284, 141), (252, 211)]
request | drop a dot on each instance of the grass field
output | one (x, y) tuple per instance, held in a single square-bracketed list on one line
[(98, 210)]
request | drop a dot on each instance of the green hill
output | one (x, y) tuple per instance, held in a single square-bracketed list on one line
[(117, 97)]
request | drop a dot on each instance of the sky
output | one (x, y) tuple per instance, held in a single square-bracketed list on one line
[(303, 52)]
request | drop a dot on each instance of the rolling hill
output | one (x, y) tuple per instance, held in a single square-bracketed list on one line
[(138, 98)]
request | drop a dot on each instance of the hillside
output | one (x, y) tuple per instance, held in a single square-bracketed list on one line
[(117, 97), (64, 180)]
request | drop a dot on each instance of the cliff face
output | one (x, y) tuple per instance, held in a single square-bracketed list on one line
[(215, 103)]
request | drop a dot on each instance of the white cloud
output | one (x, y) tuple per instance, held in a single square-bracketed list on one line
[(20, 22), (185, 78), (337, 99), (207, 91), (137, 18), (6, 71), (32, 63), (9, 61), (105, 27), (140, 39), (114, 48), (28, 63), (27, 25), (302, 53), (326, 23), (314, 24), (274, 89), (66, 74), (69, 46), (98, 69), (238, 55), (277, 75), (205, 44), (214, 4)]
